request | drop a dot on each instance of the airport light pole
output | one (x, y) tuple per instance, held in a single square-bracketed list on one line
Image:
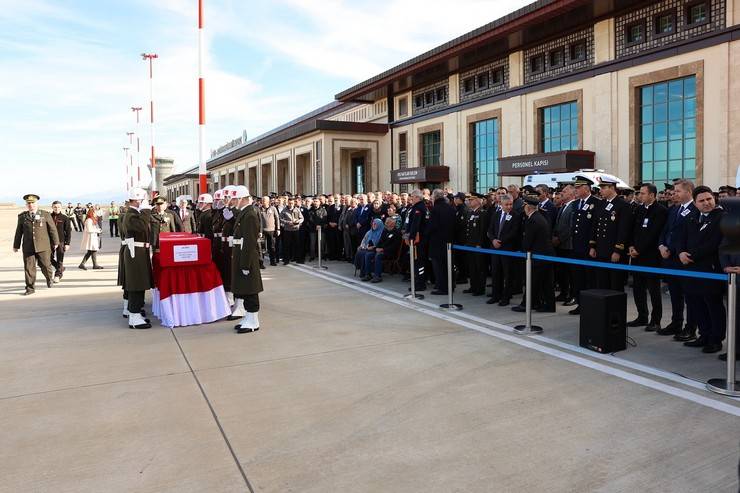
[(150, 57)]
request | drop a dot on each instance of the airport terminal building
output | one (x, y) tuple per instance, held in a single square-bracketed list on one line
[(645, 90)]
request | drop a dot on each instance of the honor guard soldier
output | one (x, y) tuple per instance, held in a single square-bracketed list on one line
[(582, 220), (415, 227), (246, 279), (217, 224), (476, 235), (205, 218), (163, 221), (610, 235), (137, 266), (229, 213), (64, 231), (36, 235)]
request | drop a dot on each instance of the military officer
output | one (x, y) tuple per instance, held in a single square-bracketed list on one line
[(80, 213), (137, 277), (205, 218), (228, 216), (64, 231), (582, 220), (246, 279), (610, 235), (36, 234), (476, 235), (416, 220), (163, 221)]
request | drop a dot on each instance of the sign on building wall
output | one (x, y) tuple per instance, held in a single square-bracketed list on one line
[(548, 162)]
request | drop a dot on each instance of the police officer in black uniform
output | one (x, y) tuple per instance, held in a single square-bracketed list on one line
[(416, 221), (458, 256), (610, 235), (476, 235), (583, 218)]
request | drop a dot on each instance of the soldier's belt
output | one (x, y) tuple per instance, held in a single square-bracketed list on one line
[(136, 244), (217, 235), (237, 241)]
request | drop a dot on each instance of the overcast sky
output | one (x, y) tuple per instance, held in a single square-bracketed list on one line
[(71, 70)]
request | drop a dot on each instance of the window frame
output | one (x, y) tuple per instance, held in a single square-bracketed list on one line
[(440, 95), (497, 81), (687, 14), (471, 81), (418, 101), (571, 51), (401, 102), (660, 15), (422, 137), (429, 98), (482, 76), (643, 26), (561, 51), (541, 58)]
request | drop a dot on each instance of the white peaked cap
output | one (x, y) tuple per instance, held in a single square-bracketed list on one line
[(241, 192), (137, 193)]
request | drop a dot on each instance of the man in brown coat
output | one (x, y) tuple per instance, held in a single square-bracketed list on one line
[(37, 234), (246, 280)]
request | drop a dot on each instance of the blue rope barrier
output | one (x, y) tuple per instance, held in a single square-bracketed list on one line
[(593, 263)]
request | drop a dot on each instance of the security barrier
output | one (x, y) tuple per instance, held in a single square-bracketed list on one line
[(726, 386)]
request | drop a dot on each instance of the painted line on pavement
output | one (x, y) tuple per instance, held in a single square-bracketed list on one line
[(529, 342)]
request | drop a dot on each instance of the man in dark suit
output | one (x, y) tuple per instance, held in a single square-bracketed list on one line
[(698, 248), (440, 230), (582, 224), (649, 220), (546, 205), (683, 206), (537, 239), (518, 202), (610, 236), (37, 234), (505, 233), (562, 240), (64, 232), (458, 256)]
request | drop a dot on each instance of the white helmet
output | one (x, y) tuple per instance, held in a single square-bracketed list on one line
[(241, 192), (218, 194), (137, 193), (229, 192), (205, 198)]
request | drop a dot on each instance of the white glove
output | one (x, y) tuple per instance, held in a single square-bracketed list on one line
[(145, 205), (245, 272), (228, 214)]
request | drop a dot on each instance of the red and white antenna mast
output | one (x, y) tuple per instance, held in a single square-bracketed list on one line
[(150, 57), (201, 106)]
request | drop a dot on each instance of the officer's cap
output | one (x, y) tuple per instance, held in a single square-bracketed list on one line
[(607, 181), (582, 180), (459, 195), (477, 195), (668, 186), (31, 198), (159, 200), (527, 189)]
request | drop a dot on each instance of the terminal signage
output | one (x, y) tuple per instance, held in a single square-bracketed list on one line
[(548, 162), (425, 174)]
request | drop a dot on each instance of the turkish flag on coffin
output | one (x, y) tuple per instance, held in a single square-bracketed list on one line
[(183, 249)]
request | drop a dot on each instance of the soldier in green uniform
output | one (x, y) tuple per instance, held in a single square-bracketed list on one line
[(137, 266), (205, 218), (217, 224), (229, 213), (246, 280), (37, 234), (163, 221)]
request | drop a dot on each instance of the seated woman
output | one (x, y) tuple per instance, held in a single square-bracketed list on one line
[(392, 213), (367, 246), (387, 247)]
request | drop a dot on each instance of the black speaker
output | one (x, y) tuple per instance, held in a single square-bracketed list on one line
[(603, 320)]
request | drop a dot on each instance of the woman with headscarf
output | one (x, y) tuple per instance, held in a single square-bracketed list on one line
[(366, 250)]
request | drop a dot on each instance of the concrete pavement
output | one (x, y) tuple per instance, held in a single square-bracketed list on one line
[(339, 392)]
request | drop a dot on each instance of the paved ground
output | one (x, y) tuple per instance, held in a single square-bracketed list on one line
[(339, 392)]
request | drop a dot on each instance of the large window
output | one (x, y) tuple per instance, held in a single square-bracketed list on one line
[(485, 154), (668, 130), (559, 125), (430, 148)]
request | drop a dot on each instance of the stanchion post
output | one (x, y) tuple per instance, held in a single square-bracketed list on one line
[(318, 247), (412, 295), (450, 305), (528, 328), (729, 386)]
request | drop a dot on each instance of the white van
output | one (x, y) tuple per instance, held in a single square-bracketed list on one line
[(552, 180)]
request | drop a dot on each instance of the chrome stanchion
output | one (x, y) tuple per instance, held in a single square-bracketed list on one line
[(729, 386), (412, 295), (318, 247), (450, 305), (528, 328)]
